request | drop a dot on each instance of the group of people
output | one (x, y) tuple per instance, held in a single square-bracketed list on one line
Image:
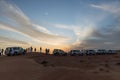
[(47, 51), (31, 49), (1, 52)]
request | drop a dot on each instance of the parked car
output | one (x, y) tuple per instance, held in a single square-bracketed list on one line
[(111, 51), (101, 52), (14, 51), (83, 52), (90, 52), (75, 52), (59, 52)]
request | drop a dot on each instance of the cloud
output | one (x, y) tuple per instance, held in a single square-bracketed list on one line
[(107, 37), (81, 31), (78, 30), (113, 7), (105, 41), (7, 41), (16, 21), (42, 29), (4, 27)]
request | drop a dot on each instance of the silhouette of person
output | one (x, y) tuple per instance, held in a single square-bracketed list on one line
[(40, 49), (2, 51), (46, 51), (35, 49)]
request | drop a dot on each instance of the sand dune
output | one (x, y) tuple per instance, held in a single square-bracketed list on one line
[(37, 66)]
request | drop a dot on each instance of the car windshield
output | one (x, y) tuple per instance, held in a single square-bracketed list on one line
[(55, 49), (76, 50), (91, 50)]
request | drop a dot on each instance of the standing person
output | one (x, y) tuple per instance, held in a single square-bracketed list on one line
[(40, 49), (35, 50), (2, 51), (46, 50)]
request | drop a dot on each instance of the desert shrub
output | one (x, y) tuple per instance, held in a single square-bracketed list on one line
[(44, 63)]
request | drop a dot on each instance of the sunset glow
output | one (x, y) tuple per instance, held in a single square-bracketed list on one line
[(61, 24)]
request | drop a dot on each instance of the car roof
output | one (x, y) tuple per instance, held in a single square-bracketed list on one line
[(13, 47)]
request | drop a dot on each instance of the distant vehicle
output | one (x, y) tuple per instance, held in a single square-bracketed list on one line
[(83, 52), (111, 51), (90, 52), (60, 52), (75, 52), (101, 52), (10, 51)]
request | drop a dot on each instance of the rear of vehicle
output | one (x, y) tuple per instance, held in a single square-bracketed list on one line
[(8, 51), (75, 52), (90, 52), (111, 51), (59, 52), (21, 50), (101, 52), (83, 52)]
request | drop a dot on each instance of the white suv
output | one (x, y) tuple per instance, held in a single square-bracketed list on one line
[(75, 52), (90, 52), (14, 51), (60, 52)]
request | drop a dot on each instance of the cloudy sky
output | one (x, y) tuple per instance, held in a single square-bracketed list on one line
[(88, 24)]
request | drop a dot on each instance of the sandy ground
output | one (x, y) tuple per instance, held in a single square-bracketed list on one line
[(37, 66)]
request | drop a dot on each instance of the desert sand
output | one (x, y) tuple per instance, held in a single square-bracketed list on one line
[(36, 66)]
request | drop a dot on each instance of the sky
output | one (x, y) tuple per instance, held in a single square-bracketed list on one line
[(66, 24)]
